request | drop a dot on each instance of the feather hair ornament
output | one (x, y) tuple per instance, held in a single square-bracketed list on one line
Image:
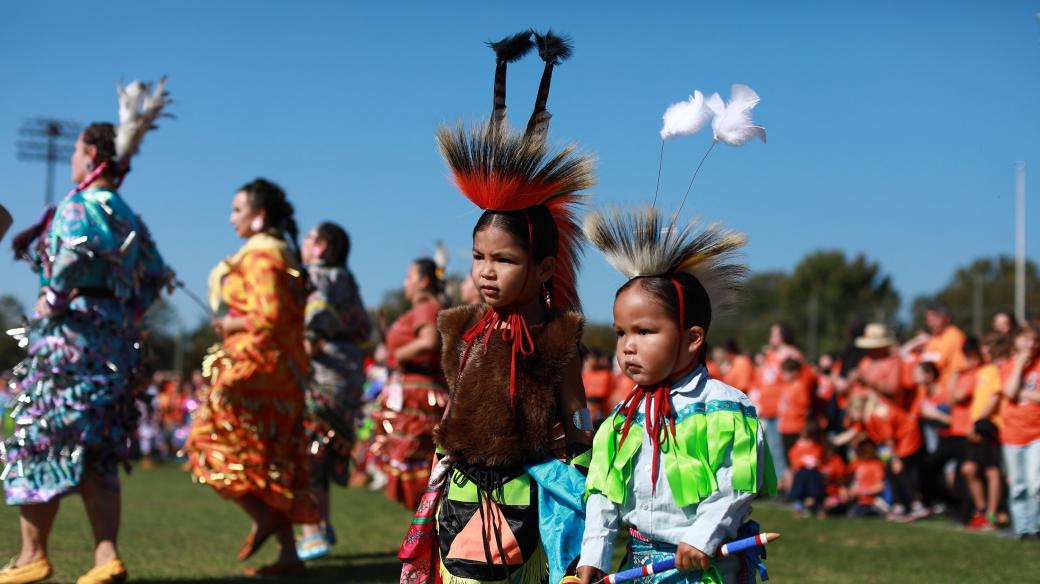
[(732, 123), (685, 118), (139, 108), (638, 243), (553, 49), (507, 50), (440, 258)]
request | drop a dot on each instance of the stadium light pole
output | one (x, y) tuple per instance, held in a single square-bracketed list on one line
[(47, 140)]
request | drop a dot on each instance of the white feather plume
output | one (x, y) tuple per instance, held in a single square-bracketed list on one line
[(441, 256), (685, 118), (139, 107), (638, 243), (732, 123)]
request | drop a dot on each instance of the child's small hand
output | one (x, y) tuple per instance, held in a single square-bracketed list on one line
[(689, 558), (590, 575)]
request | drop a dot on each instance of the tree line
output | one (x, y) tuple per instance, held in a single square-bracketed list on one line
[(820, 298)]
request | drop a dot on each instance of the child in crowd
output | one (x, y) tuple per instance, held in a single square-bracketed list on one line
[(1021, 432), (835, 478), (949, 450), (896, 430), (807, 489), (691, 501), (981, 467), (868, 481), (932, 406)]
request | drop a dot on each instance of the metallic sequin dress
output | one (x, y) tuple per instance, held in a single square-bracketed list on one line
[(75, 411), (247, 437)]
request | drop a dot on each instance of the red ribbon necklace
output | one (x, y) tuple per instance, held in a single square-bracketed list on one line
[(515, 333), (660, 416)]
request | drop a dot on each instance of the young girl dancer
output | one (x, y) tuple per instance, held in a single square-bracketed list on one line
[(512, 363), (682, 457)]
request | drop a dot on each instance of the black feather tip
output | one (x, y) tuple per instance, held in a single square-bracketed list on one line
[(512, 47), (553, 48)]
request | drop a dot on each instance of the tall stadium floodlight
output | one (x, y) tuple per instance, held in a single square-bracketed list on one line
[(50, 141)]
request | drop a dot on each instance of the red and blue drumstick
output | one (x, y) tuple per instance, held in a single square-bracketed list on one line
[(733, 547), (740, 545)]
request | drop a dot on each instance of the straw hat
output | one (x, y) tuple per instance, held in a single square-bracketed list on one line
[(875, 336)]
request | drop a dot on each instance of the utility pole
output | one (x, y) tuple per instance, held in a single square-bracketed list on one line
[(48, 140), (1020, 241)]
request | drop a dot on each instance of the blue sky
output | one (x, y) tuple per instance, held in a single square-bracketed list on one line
[(893, 126)]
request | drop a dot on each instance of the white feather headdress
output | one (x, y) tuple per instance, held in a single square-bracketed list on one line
[(638, 243), (139, 107)]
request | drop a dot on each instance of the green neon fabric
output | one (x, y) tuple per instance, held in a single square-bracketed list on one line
[(706, 436), (516, 492)]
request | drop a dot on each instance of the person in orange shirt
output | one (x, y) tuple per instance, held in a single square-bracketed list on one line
[(808, 488), (949, 416), (898, 431), (945, 346), (868, 481), (964, 390), (795, 401), (879, 371), (1021, 433), (767, 397), (835, 477), (982, 451), (599, 384), (737, 370)]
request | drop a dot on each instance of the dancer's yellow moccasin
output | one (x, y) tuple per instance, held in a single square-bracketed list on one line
[(37, 571), (113, 572)]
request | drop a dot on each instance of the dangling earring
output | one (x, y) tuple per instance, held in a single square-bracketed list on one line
[(89, 166), (257, 225), (546, 297)]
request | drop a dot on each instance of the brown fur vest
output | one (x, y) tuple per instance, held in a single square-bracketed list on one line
[(482, 427)]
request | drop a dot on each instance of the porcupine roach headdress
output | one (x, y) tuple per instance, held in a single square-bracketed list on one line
[(639, 244), (499, 169)]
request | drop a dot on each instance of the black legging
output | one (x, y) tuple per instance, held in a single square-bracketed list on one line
[(906, 485), (933, 485), (808, 483)]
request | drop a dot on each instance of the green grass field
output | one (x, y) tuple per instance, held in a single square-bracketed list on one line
[(174, 531)]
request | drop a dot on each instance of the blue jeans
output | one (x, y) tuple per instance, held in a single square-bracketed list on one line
[(771, 426), (1023, 475)]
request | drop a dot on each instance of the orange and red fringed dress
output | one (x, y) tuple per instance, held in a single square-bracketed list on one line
[(412, 403), (247, 437)]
